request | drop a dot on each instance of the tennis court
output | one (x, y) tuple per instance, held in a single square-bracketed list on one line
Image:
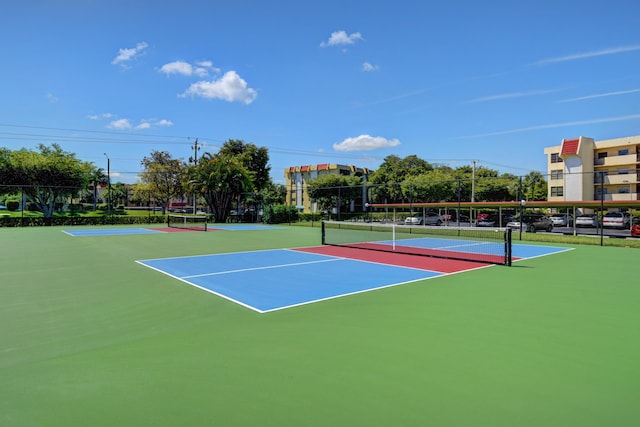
[(261, 280), (91, 336)]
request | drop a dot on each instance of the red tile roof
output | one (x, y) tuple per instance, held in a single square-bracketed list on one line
[(570, 146)]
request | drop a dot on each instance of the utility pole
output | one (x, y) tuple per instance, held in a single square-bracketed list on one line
[(473, 190), (108, 183), (473, 182), (196, 148)]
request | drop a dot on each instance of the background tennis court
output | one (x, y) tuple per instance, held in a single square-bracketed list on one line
[(90, 337)]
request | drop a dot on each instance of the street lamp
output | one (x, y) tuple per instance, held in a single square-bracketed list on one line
[(108, 183)]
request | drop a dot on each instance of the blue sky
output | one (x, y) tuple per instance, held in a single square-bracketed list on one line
[(346, 82)]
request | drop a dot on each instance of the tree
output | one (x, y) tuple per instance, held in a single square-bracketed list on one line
[(119, 194), (333, 190), (97, 177), (220, 179), (437, 185), (163, 177), (255, 159), (387, 179), (535, 181), (236, 173), (45, 177)]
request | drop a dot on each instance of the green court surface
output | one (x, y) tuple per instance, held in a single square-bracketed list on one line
[(88, 337)]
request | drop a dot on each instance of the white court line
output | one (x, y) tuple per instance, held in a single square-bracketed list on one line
[(262, 268)]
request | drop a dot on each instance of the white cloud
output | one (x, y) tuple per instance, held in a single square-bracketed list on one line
[(177, 67), (555, 125), (120, 124), (100, 116), (124, 124), (365, 143), (200, 69), (340, 38), (511, 95), (601, 95), (575, 56), (52, 98), (230, 87), (125, 55), (368, 67)]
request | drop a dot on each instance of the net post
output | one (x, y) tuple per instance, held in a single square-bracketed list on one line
[(507, 247), (323, 234), (393, 236)]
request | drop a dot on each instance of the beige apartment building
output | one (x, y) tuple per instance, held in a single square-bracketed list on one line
[(585, 169), (297, 177)]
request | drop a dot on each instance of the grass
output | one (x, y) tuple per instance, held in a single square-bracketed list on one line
[(89, 337)]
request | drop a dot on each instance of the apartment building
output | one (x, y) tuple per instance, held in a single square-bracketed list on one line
[(585, 169), (297, 177)]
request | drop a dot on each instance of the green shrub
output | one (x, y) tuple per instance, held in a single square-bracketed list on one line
[(275, 214), (13, 205)]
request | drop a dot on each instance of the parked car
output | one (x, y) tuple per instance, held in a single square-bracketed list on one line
[(451, 217), (493, 220), (587, 220), (487, 220), (616, 220), (635, 228), (430, 219), (562, 220), (532, 223)]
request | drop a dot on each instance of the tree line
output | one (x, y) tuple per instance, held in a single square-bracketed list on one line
[(237, 173), (413, 180)]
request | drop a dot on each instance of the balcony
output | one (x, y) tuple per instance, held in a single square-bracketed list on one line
[(628, 159), (629, 178), (619, 196)]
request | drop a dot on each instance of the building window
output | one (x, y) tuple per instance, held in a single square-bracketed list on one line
[(556, 191), (556, 174), (623, 171), (598, 176), (555, 158), (600, 191), (602, 155), (623, 190), (623, 152)]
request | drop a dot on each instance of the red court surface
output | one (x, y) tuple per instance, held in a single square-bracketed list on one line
[(402, 260)]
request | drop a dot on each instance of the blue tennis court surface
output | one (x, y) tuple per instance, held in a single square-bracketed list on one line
[(125, 231), (111, 231), (276, 279), (272, 280)]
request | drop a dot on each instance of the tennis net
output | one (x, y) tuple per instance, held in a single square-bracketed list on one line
[(188, 222), (486, 245)]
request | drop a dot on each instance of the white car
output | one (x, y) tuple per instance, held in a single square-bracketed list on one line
[(430, 219), (587, 220), (562, 220), (616, 220)]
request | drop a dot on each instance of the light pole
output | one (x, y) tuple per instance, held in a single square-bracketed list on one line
[(108, 183)]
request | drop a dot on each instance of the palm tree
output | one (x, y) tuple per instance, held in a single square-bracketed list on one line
[(531, 180), (97, 177)]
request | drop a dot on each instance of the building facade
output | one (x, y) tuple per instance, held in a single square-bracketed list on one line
[(297, 178), (585, 169)]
